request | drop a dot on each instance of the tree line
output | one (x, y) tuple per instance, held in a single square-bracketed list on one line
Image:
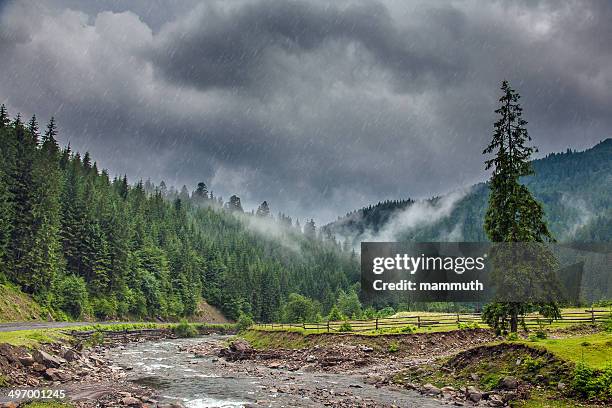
[(84, 243)]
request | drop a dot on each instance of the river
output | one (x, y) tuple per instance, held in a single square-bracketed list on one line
[(211, 382)]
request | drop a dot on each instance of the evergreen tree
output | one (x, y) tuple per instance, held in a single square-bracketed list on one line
[(513, 214), (310, 229), (263, 210), (5, 120), (201, 192), (234, 204)]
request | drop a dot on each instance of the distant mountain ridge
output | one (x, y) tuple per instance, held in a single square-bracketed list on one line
[(574, 186)]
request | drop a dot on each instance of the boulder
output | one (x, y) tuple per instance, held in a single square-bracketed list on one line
[(430, 389), (561, 386), (71, 355), (508, 383), (411, 386), (241, 346), (473, 394), (496, 401), (10, 353), (308, 368), (27, 360), (131, 402), (38, 367), (47, 359), (311, 359), (55, 374), (238, 350), (373, 379)]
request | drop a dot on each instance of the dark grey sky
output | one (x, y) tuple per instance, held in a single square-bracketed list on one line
[(317, 107)]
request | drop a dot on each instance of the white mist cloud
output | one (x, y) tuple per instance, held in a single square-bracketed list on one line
[(581, 209), (419, 214), (270, 229)]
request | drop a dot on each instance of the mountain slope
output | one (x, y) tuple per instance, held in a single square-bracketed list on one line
[(573, 186)]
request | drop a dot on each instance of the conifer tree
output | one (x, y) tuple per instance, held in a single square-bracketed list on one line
[(25, 257), (513, 214), (201, 192), (263, 210)]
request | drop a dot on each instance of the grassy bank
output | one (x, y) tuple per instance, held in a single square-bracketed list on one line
[(561, 372), (34, 337), (16, 306), (595, 350)]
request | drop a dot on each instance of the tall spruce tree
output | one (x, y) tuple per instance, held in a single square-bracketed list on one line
[(263, 210), (514, 215)]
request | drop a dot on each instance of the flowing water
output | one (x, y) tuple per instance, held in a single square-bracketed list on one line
[(209, 382)]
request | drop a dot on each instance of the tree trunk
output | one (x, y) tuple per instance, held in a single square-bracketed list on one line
[(514, 322)]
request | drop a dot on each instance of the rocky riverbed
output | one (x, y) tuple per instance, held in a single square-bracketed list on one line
[(85, 377), (214, 371)]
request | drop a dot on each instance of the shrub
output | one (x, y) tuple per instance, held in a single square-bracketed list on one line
[(393, 347), (512, 337), (244, 322), (96, 339), (468, 326), (592, 383), (532, 364), (299, 309), (104, 308), (184, 329), (386, 312), (71, 295), (608, 324), (541, 334), (409, 329), (345, 327), (335, 315), (369, 313)]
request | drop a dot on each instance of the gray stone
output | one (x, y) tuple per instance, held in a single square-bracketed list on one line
[(71, 355), (131, 402), (509, 383), (373, 379), (47, 359), (430, 389), (27, 360), (473, 394), (496, 401)]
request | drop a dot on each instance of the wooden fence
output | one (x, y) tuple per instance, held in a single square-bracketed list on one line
[(590, 316)]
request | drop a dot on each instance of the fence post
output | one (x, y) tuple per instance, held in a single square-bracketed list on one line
[(457, 317), (328, 326), (377, 323), (419, 322), (593, 315)]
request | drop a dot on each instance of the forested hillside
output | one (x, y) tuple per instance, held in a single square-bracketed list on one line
[(83, 243), (574, 188)]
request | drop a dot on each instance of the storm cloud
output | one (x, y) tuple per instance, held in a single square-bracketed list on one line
[(316, 107)]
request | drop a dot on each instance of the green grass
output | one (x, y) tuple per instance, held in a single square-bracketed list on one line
[(293, 339), (47, 404), (547, 399), (31, 338), (371, 332), (17, 306), (595, 350)]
